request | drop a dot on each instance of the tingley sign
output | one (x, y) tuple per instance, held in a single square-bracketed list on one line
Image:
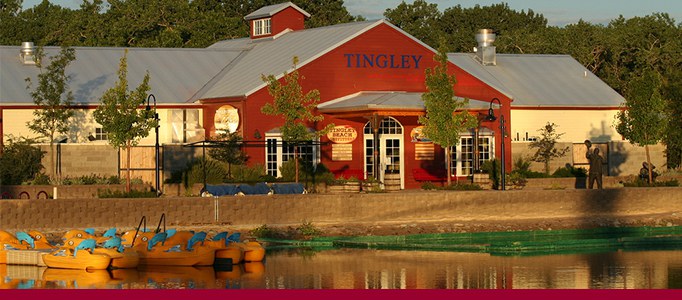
[(382, 61), (342, 134)]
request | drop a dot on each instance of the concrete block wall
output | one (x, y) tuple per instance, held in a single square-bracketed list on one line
[(341, 209), (79, 159)]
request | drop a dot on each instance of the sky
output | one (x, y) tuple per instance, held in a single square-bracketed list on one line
[(557, 12)]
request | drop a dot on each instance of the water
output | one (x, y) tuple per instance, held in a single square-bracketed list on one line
[(380, 269)]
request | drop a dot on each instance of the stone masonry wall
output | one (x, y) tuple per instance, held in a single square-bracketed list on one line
[(342, 209)]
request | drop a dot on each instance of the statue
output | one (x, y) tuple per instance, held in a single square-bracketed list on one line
[(596, 162)]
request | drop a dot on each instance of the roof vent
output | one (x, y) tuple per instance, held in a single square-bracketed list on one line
[(28, 56), (485, 52)]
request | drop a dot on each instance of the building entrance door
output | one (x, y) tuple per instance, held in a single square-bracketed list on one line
[(390, 147)]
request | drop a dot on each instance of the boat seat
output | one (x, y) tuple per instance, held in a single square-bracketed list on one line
[(197, 237), (159, 237), (24, 237), (85, 245)]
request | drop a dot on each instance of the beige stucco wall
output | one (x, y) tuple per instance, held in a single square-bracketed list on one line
[(577, 125), (83, 124)]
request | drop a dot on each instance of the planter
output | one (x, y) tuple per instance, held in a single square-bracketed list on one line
[(392, 182), (348, 187)]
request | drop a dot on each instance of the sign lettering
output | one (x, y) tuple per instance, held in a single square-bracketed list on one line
[(382, 61), (342, 134)]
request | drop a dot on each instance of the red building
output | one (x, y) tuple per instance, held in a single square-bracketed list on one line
[(370, 76)]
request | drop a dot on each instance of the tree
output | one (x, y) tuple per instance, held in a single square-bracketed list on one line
[(295, 107), (119, 115), (53, 96), (228, 150), (419, 19), (642, 120), (546, 146), (442, 123)]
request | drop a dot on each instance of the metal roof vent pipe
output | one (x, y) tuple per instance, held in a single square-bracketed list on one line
[(485, 52), (28, 56)]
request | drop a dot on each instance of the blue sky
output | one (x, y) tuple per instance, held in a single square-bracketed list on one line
[(557, 12)]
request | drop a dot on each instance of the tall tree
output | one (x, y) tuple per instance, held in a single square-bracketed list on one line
[(120, 116), (642, 120), (53, 97), (673, 136), (296, 108), (545, 146), (419, 19), (443, 122)]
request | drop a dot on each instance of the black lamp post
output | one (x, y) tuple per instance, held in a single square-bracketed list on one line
[(156, 145), (491, 117)]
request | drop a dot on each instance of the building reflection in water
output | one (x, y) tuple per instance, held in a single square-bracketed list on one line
[(380, 269)]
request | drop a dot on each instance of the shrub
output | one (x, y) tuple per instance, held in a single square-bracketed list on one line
[(308, 230), (20, 161), (215, 172), (459, 186), (41, 179), (428, 185), (250, 174), (637, 182), (122, 194), (570, 171)]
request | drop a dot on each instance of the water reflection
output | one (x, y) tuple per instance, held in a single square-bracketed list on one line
[(379, 269)]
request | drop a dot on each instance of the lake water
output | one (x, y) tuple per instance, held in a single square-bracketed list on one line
[(380, 269)]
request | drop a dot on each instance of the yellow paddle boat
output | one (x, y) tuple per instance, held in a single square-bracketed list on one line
[(121, 257), (253, 251), (154, 252), (89, 234), (24, 248), (78, 257), (227, 251)]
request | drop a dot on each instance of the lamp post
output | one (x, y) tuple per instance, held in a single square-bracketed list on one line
[(156, 145), (491, 117)]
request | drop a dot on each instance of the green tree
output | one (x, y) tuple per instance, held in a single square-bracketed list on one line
[(296, 108), (442, 122), (119, 115), (228, 150), (19, 161), (545, 146), (419, 19), (53, 96), (673, 135), (642, 120)]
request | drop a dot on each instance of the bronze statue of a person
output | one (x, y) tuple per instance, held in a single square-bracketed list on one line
[(596, 162)]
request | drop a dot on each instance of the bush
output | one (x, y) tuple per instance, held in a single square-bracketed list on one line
[(96, 179), (643, 183), (122, 194), (570, 171), (458, 186), (215, 172), (428, 185), (250, 174), (20, 161)]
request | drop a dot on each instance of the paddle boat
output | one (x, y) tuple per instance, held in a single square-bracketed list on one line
[(82, 256), (24, 248), (79, 279), (155, 251), (121, 257), (227, 250), (253, 251), (89, 233)]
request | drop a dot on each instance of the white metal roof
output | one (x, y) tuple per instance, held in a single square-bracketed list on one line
[(270, 10), (534, 80), (176, 75), (396, 100)]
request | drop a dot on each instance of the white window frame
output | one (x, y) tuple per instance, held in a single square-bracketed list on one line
[(456, 151), (262, 27), (279, 155)]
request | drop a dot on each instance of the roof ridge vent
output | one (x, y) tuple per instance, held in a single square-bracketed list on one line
[(27, 51)]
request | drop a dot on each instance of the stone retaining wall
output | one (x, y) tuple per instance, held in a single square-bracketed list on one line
[(399, 207)]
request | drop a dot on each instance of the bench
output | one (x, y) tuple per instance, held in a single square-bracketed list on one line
[(426, 175)]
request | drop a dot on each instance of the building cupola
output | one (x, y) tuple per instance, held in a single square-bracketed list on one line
[(274, 19)]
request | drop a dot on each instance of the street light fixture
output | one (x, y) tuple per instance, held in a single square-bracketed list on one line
[(156, 145), (491, 117)]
